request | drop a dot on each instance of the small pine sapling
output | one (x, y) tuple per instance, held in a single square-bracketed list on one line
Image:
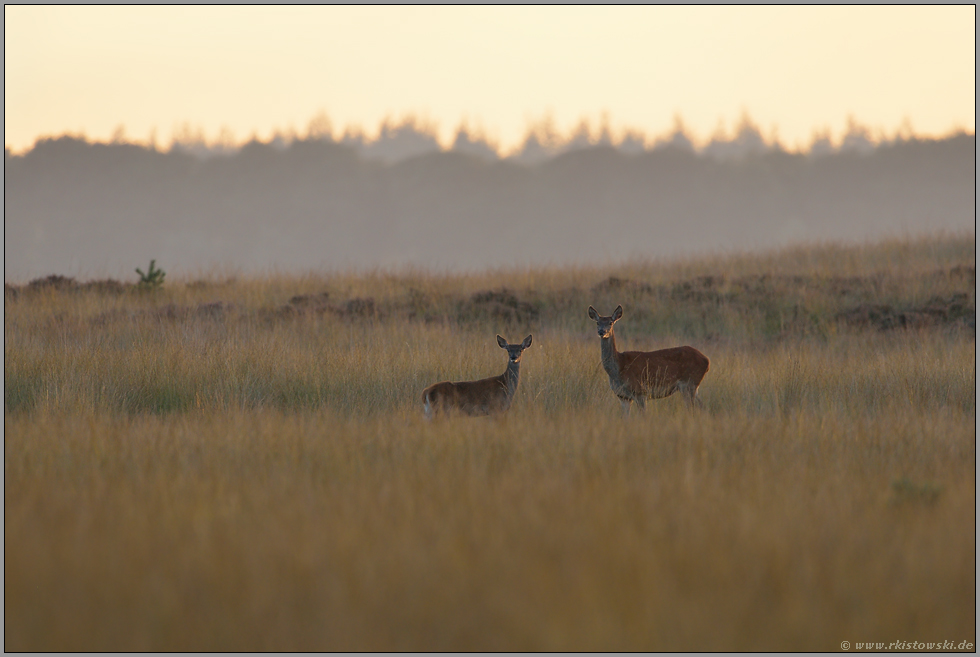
[(152, 279)]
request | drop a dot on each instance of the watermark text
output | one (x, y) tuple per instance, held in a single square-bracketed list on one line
[(908, 645)]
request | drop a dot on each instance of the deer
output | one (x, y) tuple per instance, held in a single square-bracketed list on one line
[(635, 376), (490, 396)]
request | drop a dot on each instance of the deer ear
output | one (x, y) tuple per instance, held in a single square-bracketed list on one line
[(617, 313), (527, 342), (501, 342), (592, 313)]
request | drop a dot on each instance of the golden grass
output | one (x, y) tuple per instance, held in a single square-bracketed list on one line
[(255, 481)]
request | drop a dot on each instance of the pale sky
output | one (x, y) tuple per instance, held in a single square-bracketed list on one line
[(252, 71)]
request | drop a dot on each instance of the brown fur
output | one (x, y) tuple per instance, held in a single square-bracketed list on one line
[(639, 375), (484, 397)]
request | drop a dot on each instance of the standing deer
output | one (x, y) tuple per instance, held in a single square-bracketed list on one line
[(484, 397), (636, 375)]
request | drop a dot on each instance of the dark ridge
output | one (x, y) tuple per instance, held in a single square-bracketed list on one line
[(317, 205)]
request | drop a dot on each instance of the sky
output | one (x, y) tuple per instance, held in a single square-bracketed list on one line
[(233, 73)]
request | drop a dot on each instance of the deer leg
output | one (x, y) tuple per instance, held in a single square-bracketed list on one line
[(694, 398), (625, 402)]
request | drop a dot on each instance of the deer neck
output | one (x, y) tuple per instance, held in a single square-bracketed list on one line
[(610, 357), (511, 376)]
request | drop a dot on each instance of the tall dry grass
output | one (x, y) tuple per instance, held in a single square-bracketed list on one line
[(258, 476)]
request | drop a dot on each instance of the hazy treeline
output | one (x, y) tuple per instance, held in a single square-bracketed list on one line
[(90, 209)]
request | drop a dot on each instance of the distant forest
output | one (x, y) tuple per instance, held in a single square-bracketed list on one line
[(92, 209)]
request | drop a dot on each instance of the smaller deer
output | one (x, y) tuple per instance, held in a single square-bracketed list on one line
[(484, 397), (637, 375)]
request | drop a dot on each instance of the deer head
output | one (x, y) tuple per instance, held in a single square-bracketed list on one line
[(604, 324), (514, 351)]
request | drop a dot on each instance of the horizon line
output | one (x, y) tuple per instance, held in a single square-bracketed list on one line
[(541, 140)]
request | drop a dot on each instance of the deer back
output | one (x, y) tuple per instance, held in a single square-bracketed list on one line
[(660, 373), (481, 397)]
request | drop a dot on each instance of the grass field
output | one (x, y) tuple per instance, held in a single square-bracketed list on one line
[(242, 464)]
